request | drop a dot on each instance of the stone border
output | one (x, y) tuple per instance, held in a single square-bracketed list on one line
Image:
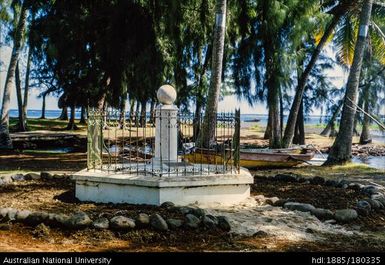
[(375, 200), (194, 218), (5, 180)]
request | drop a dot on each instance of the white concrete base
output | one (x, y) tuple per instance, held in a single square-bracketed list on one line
[(104, 187)]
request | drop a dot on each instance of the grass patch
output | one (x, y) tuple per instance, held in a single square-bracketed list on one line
[(44, 124), (348, 170)]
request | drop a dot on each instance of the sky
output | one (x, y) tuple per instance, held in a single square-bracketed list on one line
[(228, 104)]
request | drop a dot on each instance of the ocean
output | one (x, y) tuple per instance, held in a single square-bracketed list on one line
[(53, 114)]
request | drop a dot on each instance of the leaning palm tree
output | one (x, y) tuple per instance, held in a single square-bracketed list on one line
[(337, 12), (341, 150), (5, 139)]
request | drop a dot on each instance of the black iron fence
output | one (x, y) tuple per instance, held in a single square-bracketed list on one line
[(125, 142)]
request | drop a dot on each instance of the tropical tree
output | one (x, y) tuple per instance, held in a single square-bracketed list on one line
[(207, 133), (341, 150), (5, 140)]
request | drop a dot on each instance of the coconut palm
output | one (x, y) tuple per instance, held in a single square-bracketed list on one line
[(341, 150), (5, 140), (207, 133)]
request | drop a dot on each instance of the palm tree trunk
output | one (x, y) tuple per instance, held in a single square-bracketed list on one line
[(26, 87), (290, 126), (21, 124), (197, 116), (272, 95), (43, 107), (207, 134), (5, 139), (132, 107), (281, 114), (357, 116), (365, 133), (82, 115), (299, 137), (71, 124), (64, 114), (152, 112), (268, 129), (143, 113), (332, 120), (122, 112), (341, 151)]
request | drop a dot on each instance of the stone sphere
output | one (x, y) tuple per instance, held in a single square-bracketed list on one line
[(166, 95)]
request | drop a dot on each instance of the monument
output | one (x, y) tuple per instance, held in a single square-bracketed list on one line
[(166, 177)]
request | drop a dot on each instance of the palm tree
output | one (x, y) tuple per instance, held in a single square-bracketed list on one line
[(5, 139), (341, 150), (338, 12), (207, 133)]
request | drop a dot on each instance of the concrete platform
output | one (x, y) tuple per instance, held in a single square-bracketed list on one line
[(144, 188)]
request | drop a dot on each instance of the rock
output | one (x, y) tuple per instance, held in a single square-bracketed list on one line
[(11, 214), (354, 186), (309, 230), (192, 221), (101, 223), (62, 220), (296, 206), (286, 177), (22, 215), (122, 223), (379, 197), (370, 189), (41, 231), (331, 222), (210, 222), (167, 205), (3, 212), (364, 205), (185, 210), (198, 212), (272, 200), (51, 220), (374, 204), (174, 223), (18, 177), (346, 215), (331, 183), (260, 233), (158, 223), (5, 227), (46, 175), (281, 202), (5, 180), (322, 214), (143, 220), (224, 223), (317, 180), (301, 179), (343, 184), (36, 218), (79, 220), (7, 214), (32, 176)]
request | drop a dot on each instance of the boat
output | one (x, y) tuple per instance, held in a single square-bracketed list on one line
[(253, 120), (253, 158)]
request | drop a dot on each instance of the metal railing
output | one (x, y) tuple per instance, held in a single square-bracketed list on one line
[(124, 142)]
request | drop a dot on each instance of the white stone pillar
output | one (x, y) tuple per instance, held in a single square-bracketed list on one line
[(166, 126)]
